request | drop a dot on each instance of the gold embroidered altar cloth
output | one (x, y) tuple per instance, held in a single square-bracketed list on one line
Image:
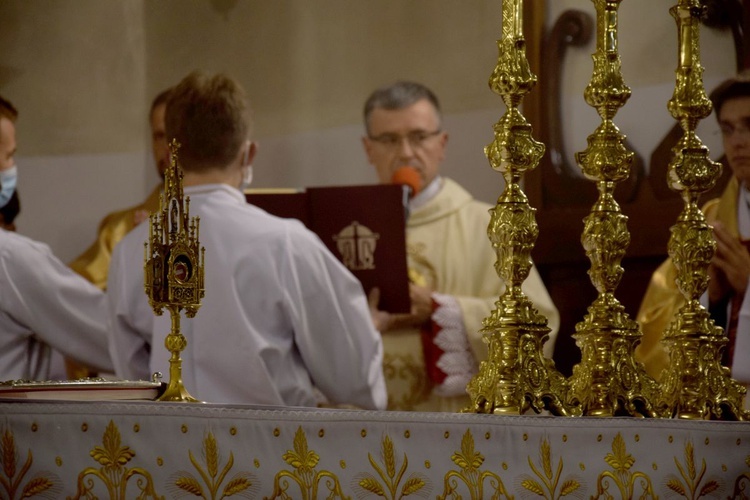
[(166, 450)]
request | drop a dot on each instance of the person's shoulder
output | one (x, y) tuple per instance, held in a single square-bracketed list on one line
[(17, 240), (457, 191), (711, 206), (271, 221), (126, 216), (20, 247), (286, 229), (247, 222), (133, 238), (464, 198), (118, 217)]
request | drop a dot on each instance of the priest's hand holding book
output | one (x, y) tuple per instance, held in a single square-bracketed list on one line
[(421, 310)]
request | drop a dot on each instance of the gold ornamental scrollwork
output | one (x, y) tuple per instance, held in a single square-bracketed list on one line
[(304, 475), (516, 376), (608, 380), (392, 482), (549, 482), (213, 475), (695, 385), (471, 475), (512, 232), (742, 483), (625, 480), (692, 482), (113, 473), (13, 480)]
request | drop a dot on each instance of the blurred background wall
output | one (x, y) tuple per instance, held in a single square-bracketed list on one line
[(82, 74)]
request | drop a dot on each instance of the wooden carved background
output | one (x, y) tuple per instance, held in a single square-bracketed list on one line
[(563, 198)]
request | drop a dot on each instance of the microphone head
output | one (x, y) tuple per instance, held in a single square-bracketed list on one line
[(408, 176)]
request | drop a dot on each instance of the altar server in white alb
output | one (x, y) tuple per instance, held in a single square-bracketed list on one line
[(43, 304), (281, 316)]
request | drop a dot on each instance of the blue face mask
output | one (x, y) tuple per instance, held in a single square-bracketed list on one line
[(8, 179)]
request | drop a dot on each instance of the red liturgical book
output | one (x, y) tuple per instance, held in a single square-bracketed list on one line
[(364, 226), (81, 390)]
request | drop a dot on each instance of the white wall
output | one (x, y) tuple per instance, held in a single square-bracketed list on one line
[(65, 196), (82, 74)]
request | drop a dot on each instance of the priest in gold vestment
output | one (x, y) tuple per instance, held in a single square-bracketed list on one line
[(432, 353), (727, 299), (93, 263)]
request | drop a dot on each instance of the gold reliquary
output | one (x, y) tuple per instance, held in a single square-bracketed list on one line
[(173, 270)]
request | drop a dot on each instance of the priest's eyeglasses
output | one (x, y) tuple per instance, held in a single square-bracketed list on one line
[(416, 139)]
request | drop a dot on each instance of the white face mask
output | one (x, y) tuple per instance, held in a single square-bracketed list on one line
[(247, 177), (8, 180)]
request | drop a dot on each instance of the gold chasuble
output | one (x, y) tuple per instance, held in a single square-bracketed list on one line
[(662, 299), (449, 252), (93, 264)]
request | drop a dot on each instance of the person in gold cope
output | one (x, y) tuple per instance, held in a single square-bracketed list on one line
[(729, 271), (431, 354), (93, 263)]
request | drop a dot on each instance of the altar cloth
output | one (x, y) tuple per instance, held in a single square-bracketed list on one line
[(167, 450)]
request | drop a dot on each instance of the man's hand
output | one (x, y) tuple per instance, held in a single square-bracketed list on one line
[(380, 319), (718, 287), (730, 266), (421, 310), (421, 303)]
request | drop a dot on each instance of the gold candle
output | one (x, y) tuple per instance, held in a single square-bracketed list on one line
[(695, 385), (516, 376), (608, 381)]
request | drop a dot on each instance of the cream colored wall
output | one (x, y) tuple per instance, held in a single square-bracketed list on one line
[(76, 72), (83, 73)]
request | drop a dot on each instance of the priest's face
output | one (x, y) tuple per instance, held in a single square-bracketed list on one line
[(734, 120), (409, 136)]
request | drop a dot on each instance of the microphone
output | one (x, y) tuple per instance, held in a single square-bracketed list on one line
[(408, 177)]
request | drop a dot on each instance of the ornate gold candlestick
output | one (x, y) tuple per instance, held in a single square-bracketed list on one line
[(173, 272), (695, 385), (516, 375), (608, 380)]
